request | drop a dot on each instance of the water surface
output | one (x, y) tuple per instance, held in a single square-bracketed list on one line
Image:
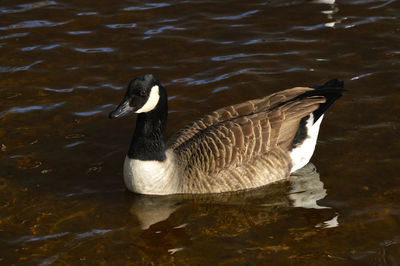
[(65, 64)]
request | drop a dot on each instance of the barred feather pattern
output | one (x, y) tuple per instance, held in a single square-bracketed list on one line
[(241, 146)]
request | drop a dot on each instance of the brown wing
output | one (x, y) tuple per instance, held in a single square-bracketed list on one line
[(236, 141), (232, 112)]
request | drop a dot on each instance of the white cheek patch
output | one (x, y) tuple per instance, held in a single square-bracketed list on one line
[(152, 101)]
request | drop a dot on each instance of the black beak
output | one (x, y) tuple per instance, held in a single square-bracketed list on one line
[(121, 110)]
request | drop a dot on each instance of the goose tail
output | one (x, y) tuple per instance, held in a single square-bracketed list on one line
[(331, 90), (307, 133)]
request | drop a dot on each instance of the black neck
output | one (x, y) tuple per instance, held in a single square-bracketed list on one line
[(148, 140)]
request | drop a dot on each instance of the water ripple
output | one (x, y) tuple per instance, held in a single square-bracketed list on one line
[(33, 24), (59, 90), (111, 86), (79, 32), (68, 90), (49, 261), (14, 35), (278, 40), (198, 81), (73, 144), (38, 238), (382, 5), (118, 26), (289, 70), (27, 7), (41, 47), (93, 232), (310, 28), (95, 50), (237, 17), (367, 20), (100, 109), (146, 6), (361, 76), (329, 2), (386, 124), (87, 13), (21, 110), (220, 89), (88, 113), (242, 55), (161, 29), (10, 69)]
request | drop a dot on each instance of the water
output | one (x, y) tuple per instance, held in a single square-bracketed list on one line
[(64, 66)]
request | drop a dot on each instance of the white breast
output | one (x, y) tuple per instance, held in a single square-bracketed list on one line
[(152, 177), (301, 155)]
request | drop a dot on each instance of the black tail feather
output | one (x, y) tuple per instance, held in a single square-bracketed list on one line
[(331, 90)]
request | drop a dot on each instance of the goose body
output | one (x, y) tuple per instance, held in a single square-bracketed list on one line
[(238, 147)]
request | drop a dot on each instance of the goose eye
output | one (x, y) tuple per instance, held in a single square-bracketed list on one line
[(142, 93)]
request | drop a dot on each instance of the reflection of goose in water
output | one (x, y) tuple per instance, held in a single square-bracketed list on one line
[(329, 2), (330, 12), (307, 188), (239, 209), (152, 209)]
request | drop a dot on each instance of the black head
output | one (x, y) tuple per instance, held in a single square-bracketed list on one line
[(142, 96)]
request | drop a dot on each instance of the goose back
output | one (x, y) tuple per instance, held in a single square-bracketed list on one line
[(233, 111), (242, 146)]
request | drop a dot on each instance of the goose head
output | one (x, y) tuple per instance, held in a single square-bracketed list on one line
[(143, 95)]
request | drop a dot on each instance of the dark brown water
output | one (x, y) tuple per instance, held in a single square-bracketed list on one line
[(64, 66)]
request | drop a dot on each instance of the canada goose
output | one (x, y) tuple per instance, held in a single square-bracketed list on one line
[(238, 147)]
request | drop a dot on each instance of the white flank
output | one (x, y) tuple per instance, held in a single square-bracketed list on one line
[(152, 101), (151, 177), (301, 155)]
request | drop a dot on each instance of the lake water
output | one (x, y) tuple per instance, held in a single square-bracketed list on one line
[(65, 64)]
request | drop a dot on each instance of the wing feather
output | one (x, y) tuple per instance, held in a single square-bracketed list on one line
[(232, 112), (236, 141)]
